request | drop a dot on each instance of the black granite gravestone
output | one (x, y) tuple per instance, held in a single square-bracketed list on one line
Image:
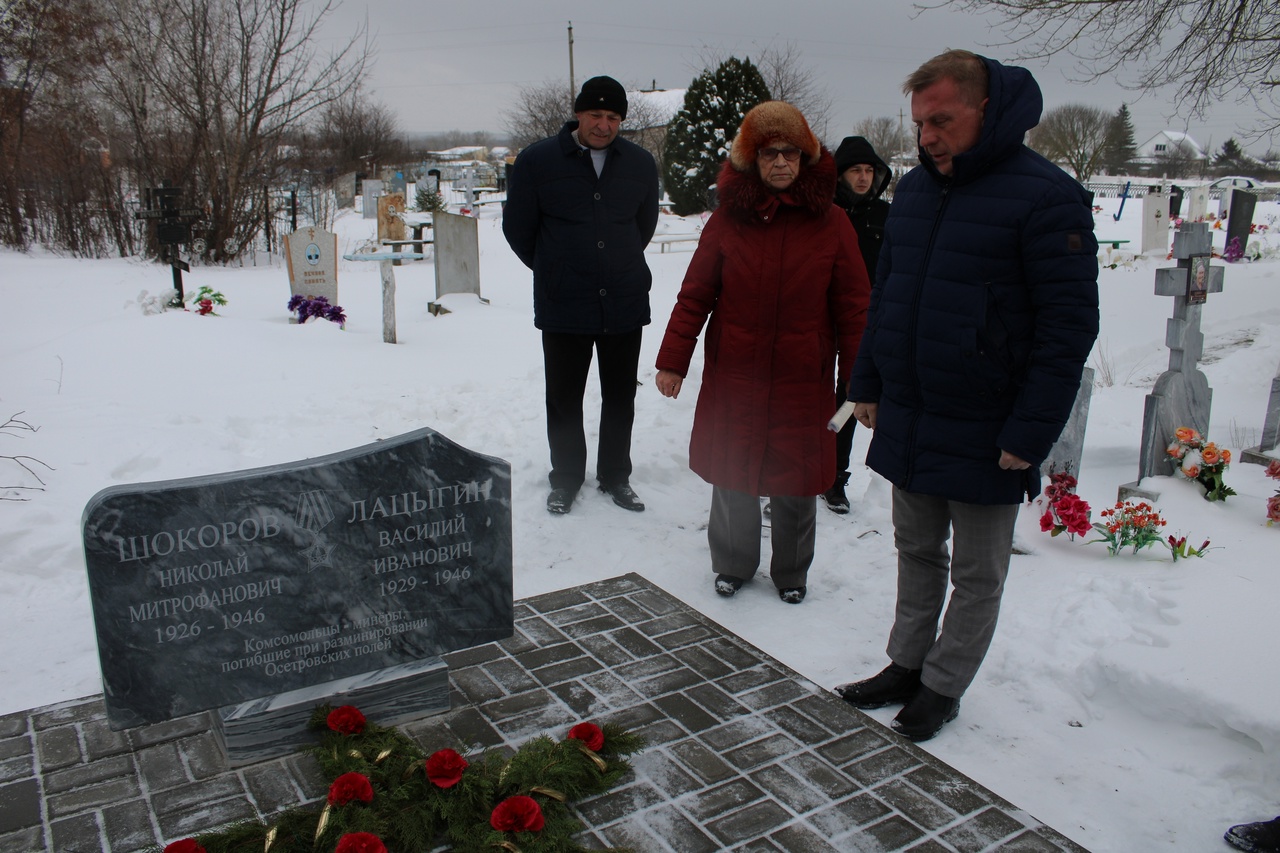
[(219, 589), (1240, 219)]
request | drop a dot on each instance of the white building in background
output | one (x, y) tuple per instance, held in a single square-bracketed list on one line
[(649, 111), (1167, 146)]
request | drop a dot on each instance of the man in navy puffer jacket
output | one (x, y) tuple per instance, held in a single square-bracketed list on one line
[(984, 309), (581, 207)]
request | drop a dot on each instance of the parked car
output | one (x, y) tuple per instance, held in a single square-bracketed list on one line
[(1235, 182)]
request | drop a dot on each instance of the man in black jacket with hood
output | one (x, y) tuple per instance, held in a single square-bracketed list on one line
[(862, 177)]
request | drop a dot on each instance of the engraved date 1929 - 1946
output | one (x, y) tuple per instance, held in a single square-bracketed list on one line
[(439, 577)]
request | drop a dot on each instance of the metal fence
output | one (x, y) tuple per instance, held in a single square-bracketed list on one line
[(1139, 187)]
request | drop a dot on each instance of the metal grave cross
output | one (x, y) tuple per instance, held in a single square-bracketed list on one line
[(1181, 395), (173, 228)]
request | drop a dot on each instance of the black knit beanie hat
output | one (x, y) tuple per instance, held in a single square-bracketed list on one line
[(602, 93)]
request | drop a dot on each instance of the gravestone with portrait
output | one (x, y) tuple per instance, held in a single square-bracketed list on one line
[(1181, 396), (311, 255), (263, 593)]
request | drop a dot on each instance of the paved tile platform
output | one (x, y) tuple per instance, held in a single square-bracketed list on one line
[(743, 754)]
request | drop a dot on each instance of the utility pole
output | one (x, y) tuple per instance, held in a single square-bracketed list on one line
[(902, 135), (572, 87)]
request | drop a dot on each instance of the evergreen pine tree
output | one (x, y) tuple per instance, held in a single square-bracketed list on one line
[(1120, 148), (1231, 157), (700, 135)]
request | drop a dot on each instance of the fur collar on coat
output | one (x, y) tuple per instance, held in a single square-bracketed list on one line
[(745, 197)]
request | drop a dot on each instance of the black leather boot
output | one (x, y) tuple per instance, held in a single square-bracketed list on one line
[(894, 684)]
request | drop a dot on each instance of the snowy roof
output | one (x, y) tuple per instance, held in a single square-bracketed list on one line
[(1171, 139), (460, 152), (662, 104)]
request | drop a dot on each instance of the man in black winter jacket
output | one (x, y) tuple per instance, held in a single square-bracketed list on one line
[(581, 207), (984, 309), (862, 177)]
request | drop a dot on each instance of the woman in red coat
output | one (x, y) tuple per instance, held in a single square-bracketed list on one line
[(778, 273)]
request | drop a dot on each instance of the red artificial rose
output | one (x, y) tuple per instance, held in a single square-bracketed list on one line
[(590, 734), (444, 768), (517, 814), (186, 845), (348, 787), (346, 720), (360, 842)]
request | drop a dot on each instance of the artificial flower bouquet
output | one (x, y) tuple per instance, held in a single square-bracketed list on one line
[(1129, 524), (205, 299), (1067, 512), (388, 796), (307, 307), (1204, 462)]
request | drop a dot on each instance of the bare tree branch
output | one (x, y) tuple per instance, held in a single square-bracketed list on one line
[(1074, 135), (13, 427)]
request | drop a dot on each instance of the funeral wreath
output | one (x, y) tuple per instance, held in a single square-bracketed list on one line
[(387, 795)]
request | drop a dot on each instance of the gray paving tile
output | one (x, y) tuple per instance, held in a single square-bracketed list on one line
[(742, 753)]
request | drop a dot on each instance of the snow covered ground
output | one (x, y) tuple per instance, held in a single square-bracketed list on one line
[(1130, 702)]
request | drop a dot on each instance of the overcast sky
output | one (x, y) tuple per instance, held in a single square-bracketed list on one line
[(453, 65)]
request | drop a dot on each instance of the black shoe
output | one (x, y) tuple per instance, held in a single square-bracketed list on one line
[(560, 501), (836, 499), (891, 686), (792, 594), (925, 715), (1256, 837), (728, 585), (624, 496)]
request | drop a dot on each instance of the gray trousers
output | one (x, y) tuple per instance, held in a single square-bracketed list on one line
[(734, 536), (982, 543)]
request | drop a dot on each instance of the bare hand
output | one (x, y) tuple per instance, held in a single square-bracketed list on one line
[(1009, 462), (669, 382), (865, 414)]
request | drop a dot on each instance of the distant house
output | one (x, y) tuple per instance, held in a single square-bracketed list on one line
[(1170, 152), (649, 111)]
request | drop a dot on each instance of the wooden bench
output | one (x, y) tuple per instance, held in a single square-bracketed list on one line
[(416, 241), (665, 240)]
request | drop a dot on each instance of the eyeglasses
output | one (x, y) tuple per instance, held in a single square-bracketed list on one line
[(768, 155)]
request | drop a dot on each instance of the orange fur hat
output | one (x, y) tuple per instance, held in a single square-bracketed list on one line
[(769, 121)]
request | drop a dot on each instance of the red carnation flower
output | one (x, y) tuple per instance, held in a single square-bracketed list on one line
[(590, 734), (360, 842), (444, 768), (186, 845), (348, 787), (517, 814), (346, 720)]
